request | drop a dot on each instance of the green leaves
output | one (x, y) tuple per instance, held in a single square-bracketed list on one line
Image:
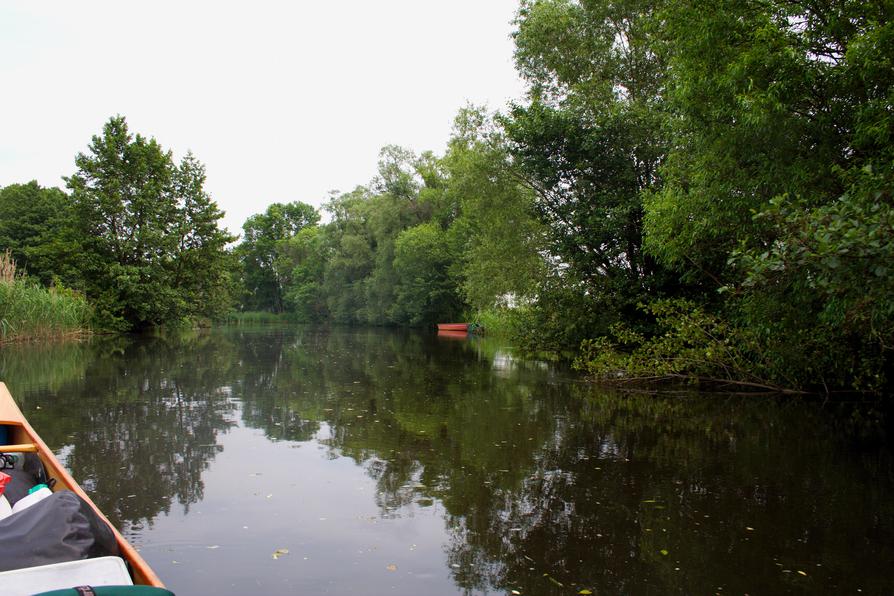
[(264, 282), (151, 251)]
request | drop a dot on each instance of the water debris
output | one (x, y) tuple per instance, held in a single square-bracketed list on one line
[(280, 552), (749, 528), (455, 565), (804, 573), (585, 591), (664, 552), (553, 580), (391, 567), (213, 546), (516, 592)]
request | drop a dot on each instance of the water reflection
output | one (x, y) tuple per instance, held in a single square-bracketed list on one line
[(541, 485)]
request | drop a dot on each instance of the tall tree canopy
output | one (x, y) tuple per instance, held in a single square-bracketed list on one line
[(33, 227), (590, 142), (151, 250), (258, 251)]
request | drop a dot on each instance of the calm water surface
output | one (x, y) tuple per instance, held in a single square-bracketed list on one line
[(305, 461)]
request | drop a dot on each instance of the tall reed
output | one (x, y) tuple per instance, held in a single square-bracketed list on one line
[(29, 311), (7, 267)]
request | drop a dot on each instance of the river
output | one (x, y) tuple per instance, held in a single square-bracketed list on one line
[(295, 460)]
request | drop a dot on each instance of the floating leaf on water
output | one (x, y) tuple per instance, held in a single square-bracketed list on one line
[(391, 567), (516, 592), (585, 591), (555, 581), (280, 552), (804, 573), (749, 528), (664, 552)]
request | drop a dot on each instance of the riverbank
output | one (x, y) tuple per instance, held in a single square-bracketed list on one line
[(30, 312)]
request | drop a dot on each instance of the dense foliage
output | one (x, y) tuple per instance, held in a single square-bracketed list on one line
[(686, 190), (137, 235), (430, 239), (765, 128)]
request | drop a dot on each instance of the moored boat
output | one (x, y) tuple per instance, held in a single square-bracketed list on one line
[(453, 326), (18, 437)]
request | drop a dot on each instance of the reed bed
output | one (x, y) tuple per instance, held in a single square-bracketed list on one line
[(30, 311)]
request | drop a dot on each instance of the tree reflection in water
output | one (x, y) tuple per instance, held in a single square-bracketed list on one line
[(139, 417), (541, 481)]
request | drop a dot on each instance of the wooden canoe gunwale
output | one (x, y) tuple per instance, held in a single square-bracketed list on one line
[(22, 435)]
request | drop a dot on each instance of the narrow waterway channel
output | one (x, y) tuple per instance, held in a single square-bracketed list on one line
[(307, 461)]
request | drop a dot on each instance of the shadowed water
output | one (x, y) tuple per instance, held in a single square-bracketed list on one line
[(307, 461)]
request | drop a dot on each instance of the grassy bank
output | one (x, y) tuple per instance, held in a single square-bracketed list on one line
[(29, 311), (497, 322)]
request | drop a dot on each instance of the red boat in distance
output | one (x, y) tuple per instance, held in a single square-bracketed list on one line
[(464, 327)]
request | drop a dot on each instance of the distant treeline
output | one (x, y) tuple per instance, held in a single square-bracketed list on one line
[(689, 190)]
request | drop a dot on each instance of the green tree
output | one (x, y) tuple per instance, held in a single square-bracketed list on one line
[(361, 282), (589, 144), (778, 188), (34, 226), (755, 117), (300, 264), (425, 292), (203, 268), (151, 250), (258, 251), (352, 256), (493, 229)]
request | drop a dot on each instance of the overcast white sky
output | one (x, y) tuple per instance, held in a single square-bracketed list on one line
[(281, 101)]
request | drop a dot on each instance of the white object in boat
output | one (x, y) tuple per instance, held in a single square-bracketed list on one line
[(25, 502), (101, 571)]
